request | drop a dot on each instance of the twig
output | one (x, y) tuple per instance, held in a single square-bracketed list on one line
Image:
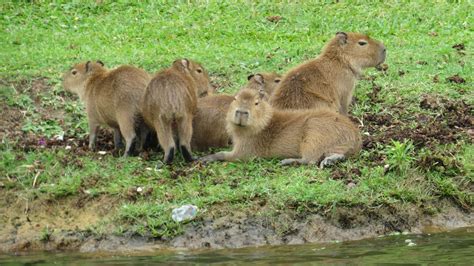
[(36, 177)]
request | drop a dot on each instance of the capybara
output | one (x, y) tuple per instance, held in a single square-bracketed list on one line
[(170, 102), (112, 98), (329, 80), (209, 123), (299, 136)]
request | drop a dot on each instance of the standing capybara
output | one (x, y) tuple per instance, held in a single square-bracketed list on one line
[(300, 136), (209, 123), (170, 102), (112, 98), (329, 80)]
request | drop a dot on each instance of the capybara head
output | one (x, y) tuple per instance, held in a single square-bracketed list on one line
[(197, 73), (74, 80), (358, 49), (264, 81), (249, 111)]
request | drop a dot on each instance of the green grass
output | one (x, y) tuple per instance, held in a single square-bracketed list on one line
[(231, 40)]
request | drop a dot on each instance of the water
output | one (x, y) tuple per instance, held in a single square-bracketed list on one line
[(445, 248)]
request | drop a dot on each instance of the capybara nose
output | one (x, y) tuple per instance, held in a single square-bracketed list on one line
[(242, 113)]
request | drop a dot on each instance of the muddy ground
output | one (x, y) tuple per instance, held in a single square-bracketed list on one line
[(445, 121), (24, 224)]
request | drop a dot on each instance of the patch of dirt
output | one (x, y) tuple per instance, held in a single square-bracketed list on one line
[(456, 79), (448, 122), (459, 46), (67, 223), (274, 19), (48, 224), (13, 118)]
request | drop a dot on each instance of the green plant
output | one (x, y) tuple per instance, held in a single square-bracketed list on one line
[(400, 155)]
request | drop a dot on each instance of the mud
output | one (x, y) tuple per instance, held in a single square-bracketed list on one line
[(68, 230), (446, 121)]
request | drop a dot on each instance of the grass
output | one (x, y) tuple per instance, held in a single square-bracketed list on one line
[(233, 39)]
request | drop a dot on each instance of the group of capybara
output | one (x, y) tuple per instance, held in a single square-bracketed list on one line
[(300, 117)]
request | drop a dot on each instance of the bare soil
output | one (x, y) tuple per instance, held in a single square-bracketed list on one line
[(69, 219)]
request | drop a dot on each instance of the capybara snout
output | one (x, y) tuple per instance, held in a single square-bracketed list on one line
[(241, 117)]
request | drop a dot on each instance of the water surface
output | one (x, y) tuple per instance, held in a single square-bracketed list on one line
[(444, 248)]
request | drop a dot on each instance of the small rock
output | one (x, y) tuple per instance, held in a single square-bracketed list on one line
[(68, 147), (351, 185), (386, 168), (102, 152), (139, 189), (411, 244), (408, 241)]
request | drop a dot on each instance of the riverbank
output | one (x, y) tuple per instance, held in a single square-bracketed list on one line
[(65, 226), (415, 114)]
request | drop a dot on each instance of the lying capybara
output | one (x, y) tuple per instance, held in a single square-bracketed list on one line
[(209, 122), (112, 98), (329, 80), (170, 102), (299, 136)]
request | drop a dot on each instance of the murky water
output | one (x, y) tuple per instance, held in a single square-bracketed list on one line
[(441, 249)]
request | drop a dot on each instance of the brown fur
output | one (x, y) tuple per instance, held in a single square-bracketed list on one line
[(305, 137), (170, 103), (111, 98), (209, 123), (329, 80)]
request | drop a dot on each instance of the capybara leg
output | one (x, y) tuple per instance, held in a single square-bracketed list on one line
[(293, 161), (144, 131), (164, 132), (126, 124), (118, 139), (185, 132), (331, 159), (220, 156), (93, 127)]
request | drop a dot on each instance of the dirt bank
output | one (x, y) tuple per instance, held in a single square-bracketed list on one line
[(66, 225)]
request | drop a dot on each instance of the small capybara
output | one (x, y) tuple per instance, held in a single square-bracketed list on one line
[(209, 123), (112, 98), (329, 80), (299, 136), (170, 102)]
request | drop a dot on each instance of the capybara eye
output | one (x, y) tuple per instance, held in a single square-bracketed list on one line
[(256, 103), (277, 80), (74, 72), (199, 70), (362, 43)]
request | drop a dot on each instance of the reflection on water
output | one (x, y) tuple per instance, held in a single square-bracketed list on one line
[(452, 248)]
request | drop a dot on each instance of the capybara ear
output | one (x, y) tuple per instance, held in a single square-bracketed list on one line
[(250, 77), (100, 62), (259, 79), (342, 37), (261, 94), (182, 64), (88, 66), (185, 63)]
